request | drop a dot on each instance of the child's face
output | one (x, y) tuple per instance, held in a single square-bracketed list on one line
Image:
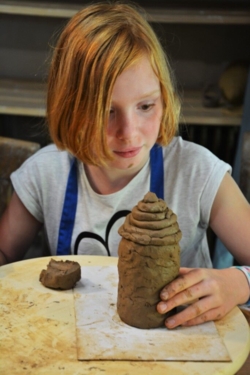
[(135, 116)]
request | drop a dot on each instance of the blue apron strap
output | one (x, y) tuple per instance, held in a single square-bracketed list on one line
[(68, 213), (157, 171)]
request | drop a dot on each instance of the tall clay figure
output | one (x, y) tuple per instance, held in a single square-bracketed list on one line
[(149, 258)]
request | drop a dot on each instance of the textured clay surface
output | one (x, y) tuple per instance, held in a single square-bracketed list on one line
[(60, 274), (149, 259)]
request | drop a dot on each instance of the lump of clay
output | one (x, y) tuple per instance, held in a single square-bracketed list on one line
[(60, 274), (149, 259)]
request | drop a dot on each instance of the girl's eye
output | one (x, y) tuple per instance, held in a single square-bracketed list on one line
[(146, 107)]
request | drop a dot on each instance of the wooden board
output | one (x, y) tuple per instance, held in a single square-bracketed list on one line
[(102, 335)]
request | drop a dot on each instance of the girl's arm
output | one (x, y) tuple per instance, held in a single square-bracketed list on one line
[(18, 229), (212, 293), (230, 219)]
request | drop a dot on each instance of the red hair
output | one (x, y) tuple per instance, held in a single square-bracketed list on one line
[(96, 46)]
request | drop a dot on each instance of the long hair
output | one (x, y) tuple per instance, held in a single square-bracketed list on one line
[(96, 46)]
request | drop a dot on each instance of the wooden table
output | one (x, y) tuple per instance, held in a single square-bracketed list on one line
[(245, 369), (37, 330)]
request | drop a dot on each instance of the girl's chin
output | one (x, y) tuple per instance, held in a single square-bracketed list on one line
[(123, 166), (132, 163)]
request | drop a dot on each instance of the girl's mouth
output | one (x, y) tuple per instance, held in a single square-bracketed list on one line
[(130, 153)]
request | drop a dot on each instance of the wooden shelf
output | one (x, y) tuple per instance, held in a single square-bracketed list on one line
[(161, 15), (198, 16), (30, 8), (22, 98), (29, 99), (195, 113)]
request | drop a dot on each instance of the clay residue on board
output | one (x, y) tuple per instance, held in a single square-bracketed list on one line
[(61, 274), (149, 259), (37, 326)]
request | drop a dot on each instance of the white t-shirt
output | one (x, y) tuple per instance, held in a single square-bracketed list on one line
[(192, 176)]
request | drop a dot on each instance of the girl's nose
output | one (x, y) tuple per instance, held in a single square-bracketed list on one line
[(126, 126)]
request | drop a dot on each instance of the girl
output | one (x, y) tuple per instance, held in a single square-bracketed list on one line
[(113, 115)]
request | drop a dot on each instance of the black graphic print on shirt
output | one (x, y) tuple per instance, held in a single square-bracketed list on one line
[(97, 237)]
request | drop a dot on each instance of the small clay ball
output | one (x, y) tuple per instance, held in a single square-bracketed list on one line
[(61, 274)]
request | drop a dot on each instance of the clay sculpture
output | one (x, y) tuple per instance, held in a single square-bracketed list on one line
[(60, 274), (149, 259)]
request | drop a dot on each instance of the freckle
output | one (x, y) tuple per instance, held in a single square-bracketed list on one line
[(130, 166)]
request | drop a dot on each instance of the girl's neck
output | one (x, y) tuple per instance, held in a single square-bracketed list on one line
[(105, 181)]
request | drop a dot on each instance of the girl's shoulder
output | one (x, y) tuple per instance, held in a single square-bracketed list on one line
[(184, 147), (49, 157), (189, 154)]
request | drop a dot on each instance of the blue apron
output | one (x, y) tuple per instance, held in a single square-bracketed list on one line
[(70, 199)]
